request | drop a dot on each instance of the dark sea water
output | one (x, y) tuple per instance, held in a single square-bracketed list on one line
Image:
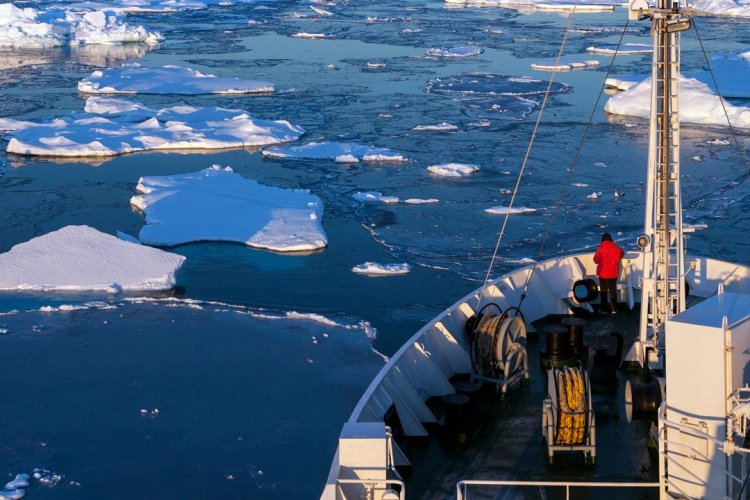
[(76, 380)]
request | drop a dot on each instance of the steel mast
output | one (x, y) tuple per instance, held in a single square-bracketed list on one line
[(663, 290)]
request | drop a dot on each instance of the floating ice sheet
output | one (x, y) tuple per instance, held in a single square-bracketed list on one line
[(731, 8), (375, 269), (565, 63), (452, 169), (376, 196), (81, 258), (500, 210), (454, 52), (697, 104), (438, 127), (29, 28), (624, 49), (494, 94), (114, 126), (137, 79), (338, 151), (217, 204), (553, 5)]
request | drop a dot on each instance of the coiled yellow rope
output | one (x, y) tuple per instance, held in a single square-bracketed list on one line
[(571, 399)]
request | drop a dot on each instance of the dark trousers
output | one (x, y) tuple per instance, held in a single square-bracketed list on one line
[(608, 293)]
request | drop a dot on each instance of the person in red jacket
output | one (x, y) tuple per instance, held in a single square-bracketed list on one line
[(607, 260)]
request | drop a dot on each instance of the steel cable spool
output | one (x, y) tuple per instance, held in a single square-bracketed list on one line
[(496, 338)]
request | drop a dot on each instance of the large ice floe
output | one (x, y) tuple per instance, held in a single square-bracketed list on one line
[(216, 204), (137, 79), (697, 104), (565, 63), (495, 95), (376, 269), (154, 6), (115, 126), (338, 151), (29, 28), (452, 169), (80, 258), (730, 71), (501, 210), (730, 8)]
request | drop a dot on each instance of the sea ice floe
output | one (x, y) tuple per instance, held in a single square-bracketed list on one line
[(376, 196), (82, 258), (320, 12), (697, 104), (112, 126), (453, 169), (594, 196), (375, 269), (12, 494), (311, 36), (20, 481), (421, 201), (730, 71), (565, 63), (579, 184), (527, 5), (454, 52), (136, 79), (29, 28), (624, 49), (438, 127), (733, 8), (216, 204), (331, 151), (501, 210), (495, 94)]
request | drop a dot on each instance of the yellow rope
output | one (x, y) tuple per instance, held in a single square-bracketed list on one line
[(571, 398)]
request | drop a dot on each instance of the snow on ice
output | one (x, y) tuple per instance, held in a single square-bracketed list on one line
[(112, 126), (565, 63), (440, 127), (500, 210), (375, 196), (82, 258), (137, 79), (216, 204), (731, 8), (373, 268), (623, 50), (452, 169), (454, 52), (29, 28), (697, 104), (332, 151)]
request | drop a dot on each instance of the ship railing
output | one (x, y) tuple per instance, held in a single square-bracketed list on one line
[(369, 486), (462, 487)]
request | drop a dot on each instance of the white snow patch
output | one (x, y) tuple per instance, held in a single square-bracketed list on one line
[(500, 210), (624, 49), (439, 127), (332, 150), (452, 169), (217, 204), (375, 196), (421, 201), (137, 79), (731, 8), (373, 268), (454, 52), (126, 128), (697, 104), (82, 258), (346, 159), (565, 64)]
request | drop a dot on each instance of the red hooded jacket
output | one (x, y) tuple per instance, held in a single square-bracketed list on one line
[(607, 259)]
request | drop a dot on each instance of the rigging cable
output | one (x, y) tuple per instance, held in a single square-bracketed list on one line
[(526, 156), (571, 169)]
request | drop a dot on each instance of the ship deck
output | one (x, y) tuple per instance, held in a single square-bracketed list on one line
[(505, 441)]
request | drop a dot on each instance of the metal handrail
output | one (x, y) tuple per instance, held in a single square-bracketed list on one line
[(461, 485), (375, 482)]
